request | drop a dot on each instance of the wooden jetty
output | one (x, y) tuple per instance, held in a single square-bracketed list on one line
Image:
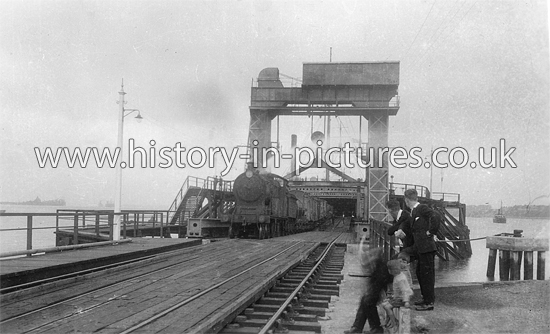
[(121, 299), (453, 235), (512, 248), (30, 269)]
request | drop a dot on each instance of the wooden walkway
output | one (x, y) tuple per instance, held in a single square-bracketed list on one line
[(28, 269), (120, 299)]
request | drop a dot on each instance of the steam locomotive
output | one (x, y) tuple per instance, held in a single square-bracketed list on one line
[(265, 207)]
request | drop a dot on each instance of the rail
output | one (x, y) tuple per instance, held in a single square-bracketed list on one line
[(203, 292), (400, 188), (379, 238), (39, 222), (267, 327), (447, 197), (301, 100)]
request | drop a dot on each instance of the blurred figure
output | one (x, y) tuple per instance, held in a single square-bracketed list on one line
[(379, 278)]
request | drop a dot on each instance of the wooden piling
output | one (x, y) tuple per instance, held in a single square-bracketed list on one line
[(541, 264), (504, 264), (515, 266), (511, 249), (492, 263), (528, 266)]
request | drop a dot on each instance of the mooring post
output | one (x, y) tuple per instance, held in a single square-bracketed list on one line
[(492, 263), (528, 266), (541, 265), (504, 264)]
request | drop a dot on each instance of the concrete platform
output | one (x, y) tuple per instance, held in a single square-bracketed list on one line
[(29, 269), (492, 307)]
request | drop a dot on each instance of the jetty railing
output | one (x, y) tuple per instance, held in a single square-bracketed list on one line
[(400, 188), (379, 238), (178, 210), (89, 227), (447, 197), (512, 248)]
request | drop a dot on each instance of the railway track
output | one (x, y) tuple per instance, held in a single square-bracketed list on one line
[(308, 284), (298, 300)]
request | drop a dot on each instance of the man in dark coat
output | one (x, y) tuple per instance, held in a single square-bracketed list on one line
[(425, 225), (401, 225)]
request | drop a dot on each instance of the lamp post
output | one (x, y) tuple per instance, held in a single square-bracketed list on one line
[(118, 196)]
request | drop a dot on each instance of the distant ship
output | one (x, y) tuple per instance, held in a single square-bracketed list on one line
[(107, 204), (499, 217)]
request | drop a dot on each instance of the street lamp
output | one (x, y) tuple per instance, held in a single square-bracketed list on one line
[(118, 196)]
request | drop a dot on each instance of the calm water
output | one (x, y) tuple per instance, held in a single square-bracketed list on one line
[(17, 240), (469, 270), (474, 269)]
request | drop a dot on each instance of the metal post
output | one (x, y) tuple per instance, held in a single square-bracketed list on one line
[(161, 225), (154, 227), (97, 224), (327, 172), (57, 223), (29, 233), (110, 223), (75, 230), (118, 182), (124, 227)]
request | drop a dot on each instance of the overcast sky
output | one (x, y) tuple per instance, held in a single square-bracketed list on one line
[(471, 73)]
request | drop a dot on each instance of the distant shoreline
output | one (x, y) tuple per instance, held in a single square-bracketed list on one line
[(39, 202)]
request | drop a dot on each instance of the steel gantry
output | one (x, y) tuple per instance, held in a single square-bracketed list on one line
[(365, 89)]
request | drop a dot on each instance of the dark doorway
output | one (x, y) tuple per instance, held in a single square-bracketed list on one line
[(342, 206)]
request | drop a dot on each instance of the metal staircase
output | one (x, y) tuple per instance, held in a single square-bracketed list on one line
[(200, 198)]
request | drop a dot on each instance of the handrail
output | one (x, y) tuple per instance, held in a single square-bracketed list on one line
[(422, 191), (210, 183), (99, 218), (379, 237), (455, 197)]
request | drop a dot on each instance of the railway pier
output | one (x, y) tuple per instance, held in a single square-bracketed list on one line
[(198, 289)]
